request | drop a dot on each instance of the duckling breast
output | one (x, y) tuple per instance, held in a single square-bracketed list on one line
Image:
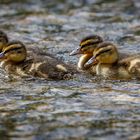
[(104, 70)]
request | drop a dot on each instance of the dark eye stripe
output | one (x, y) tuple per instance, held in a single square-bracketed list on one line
[(103, 51), (12, 49)]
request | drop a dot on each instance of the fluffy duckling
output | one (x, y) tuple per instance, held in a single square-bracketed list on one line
[(3, 40), (12, 56), (86, 48), (15, 61), (109, 65)]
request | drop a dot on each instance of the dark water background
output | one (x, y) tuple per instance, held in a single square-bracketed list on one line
[(80, 108)]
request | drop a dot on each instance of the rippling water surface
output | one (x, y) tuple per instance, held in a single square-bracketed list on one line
[(80, 108)]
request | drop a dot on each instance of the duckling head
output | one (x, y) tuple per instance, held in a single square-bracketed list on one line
[(87, 45), (15, 52), (3, 40), (105, 53), (86, 48)]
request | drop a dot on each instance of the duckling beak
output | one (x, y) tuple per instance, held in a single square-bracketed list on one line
[(92, 60), (76, 51), (1, 54)]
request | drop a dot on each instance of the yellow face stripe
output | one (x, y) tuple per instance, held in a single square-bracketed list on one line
[(89, 41), (12, 47), (85, 42)]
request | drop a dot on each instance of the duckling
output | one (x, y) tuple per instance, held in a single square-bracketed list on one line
[(3, 40), (109, 64), (12, 55), (15, 60), (87, 46)]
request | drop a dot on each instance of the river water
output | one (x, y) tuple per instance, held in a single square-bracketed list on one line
[(83, 107)]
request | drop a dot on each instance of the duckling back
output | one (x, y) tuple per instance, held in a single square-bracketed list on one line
[(50, 68)]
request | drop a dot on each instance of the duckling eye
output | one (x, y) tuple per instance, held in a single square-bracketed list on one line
[(85, 47), (90, 44), (19, 51)]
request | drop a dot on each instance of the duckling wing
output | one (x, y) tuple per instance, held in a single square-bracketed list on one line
[(57, 63), (46, 65), (39, 55), (48, 68)]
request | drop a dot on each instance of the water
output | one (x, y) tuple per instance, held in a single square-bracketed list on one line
[(83, 107)]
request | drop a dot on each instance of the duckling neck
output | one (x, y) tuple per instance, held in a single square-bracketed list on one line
[(6, 62), (82, 61)]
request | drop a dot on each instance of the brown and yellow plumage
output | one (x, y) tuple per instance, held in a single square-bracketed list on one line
[(111, 65), (86, 48), (15, 59)]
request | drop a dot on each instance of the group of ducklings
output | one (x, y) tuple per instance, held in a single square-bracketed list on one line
[(98, 58), (102, 58)]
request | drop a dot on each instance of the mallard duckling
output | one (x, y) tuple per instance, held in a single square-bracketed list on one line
[(12, 56), (86, 48), (3, 40), (14, 60), (109, 64)]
